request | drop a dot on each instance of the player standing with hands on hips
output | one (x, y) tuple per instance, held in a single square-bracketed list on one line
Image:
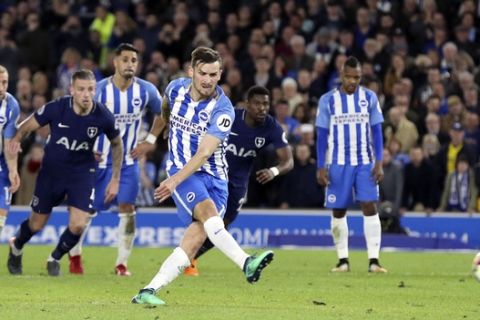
[(126, 96), (200, 117), (68, 167), (348, 119)]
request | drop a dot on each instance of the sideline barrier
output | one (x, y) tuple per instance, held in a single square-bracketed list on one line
[(160, 227)]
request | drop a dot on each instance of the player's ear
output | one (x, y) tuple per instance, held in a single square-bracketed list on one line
[(190, 71)]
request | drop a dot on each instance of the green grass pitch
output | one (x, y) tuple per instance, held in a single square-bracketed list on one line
[(297, 285)]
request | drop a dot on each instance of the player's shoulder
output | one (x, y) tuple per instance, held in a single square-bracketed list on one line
[(271, 122), (368, 92), (60, 102), (327, 95), (144, 83), (223, 101), (101, 110), (178, 83), (103, 83), (11, 101)]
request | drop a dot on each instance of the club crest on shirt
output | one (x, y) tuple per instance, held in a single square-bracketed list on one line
[(363, 103), (190, 196), (259, 142), (92, 132), (136, 102), (203, 115)]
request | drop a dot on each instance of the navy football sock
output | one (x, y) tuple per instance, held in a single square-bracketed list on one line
[(67, 241), (23, 235)]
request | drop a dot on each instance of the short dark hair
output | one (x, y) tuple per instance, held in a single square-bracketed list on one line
[(125, 47), (83, 74), (351, 62), (205, 55), (257, 90)]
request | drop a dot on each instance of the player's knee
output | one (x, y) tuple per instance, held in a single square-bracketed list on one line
[(339, 213), (368, 208), (205, 210)]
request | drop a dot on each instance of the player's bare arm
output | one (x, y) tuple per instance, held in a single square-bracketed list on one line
[(377, 171), (117, 158), (322, 176), (11, 160), (285, 164), (206, 148), (28, 125), (148, 144)]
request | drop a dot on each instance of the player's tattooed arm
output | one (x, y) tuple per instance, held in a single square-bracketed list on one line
[(117, 156), (28, 125), (11, 160), (165, 110)]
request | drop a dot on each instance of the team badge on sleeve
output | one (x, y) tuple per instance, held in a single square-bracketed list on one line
[(224, 123)]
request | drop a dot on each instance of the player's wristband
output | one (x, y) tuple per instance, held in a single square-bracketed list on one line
[(275, 171), (151, 138)]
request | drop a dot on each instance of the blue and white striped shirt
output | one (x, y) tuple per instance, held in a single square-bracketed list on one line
[(127, 107), (191, 120), (349, 118), (9, 113)]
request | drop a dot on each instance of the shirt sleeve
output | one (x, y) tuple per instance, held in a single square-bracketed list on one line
[(154, 99), (376, 116), (221, 120), (110, 129), (279, 137), (323, 112), (10, 127), (45, 114)]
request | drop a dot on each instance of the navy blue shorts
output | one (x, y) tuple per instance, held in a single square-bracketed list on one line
[(236, 199), (52, 188)]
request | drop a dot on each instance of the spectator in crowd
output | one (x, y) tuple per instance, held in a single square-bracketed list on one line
[(419, 179), (299, 187), (460, 192), (447, 156), (391, 187), (401, 128)]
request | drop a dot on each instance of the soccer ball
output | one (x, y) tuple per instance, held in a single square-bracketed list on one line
[(476, 267)]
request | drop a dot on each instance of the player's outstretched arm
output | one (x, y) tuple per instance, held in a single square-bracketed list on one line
[(13, 176), (285, 164), (28, 125), (117, 158), (205, 150)]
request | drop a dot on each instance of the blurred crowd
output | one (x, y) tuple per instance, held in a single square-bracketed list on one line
[(419, 56)]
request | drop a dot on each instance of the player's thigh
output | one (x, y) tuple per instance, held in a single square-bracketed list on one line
[(5, 194), (102, 178), (129, 184), (81, 191), (188, 194), (218, 191), (366, 189), (50, 191), (338, 193), (236, 198)]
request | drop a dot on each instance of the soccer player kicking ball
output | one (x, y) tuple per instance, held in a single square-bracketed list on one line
[(68, 167), (253, 129), (348, 118), (200, 118)]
